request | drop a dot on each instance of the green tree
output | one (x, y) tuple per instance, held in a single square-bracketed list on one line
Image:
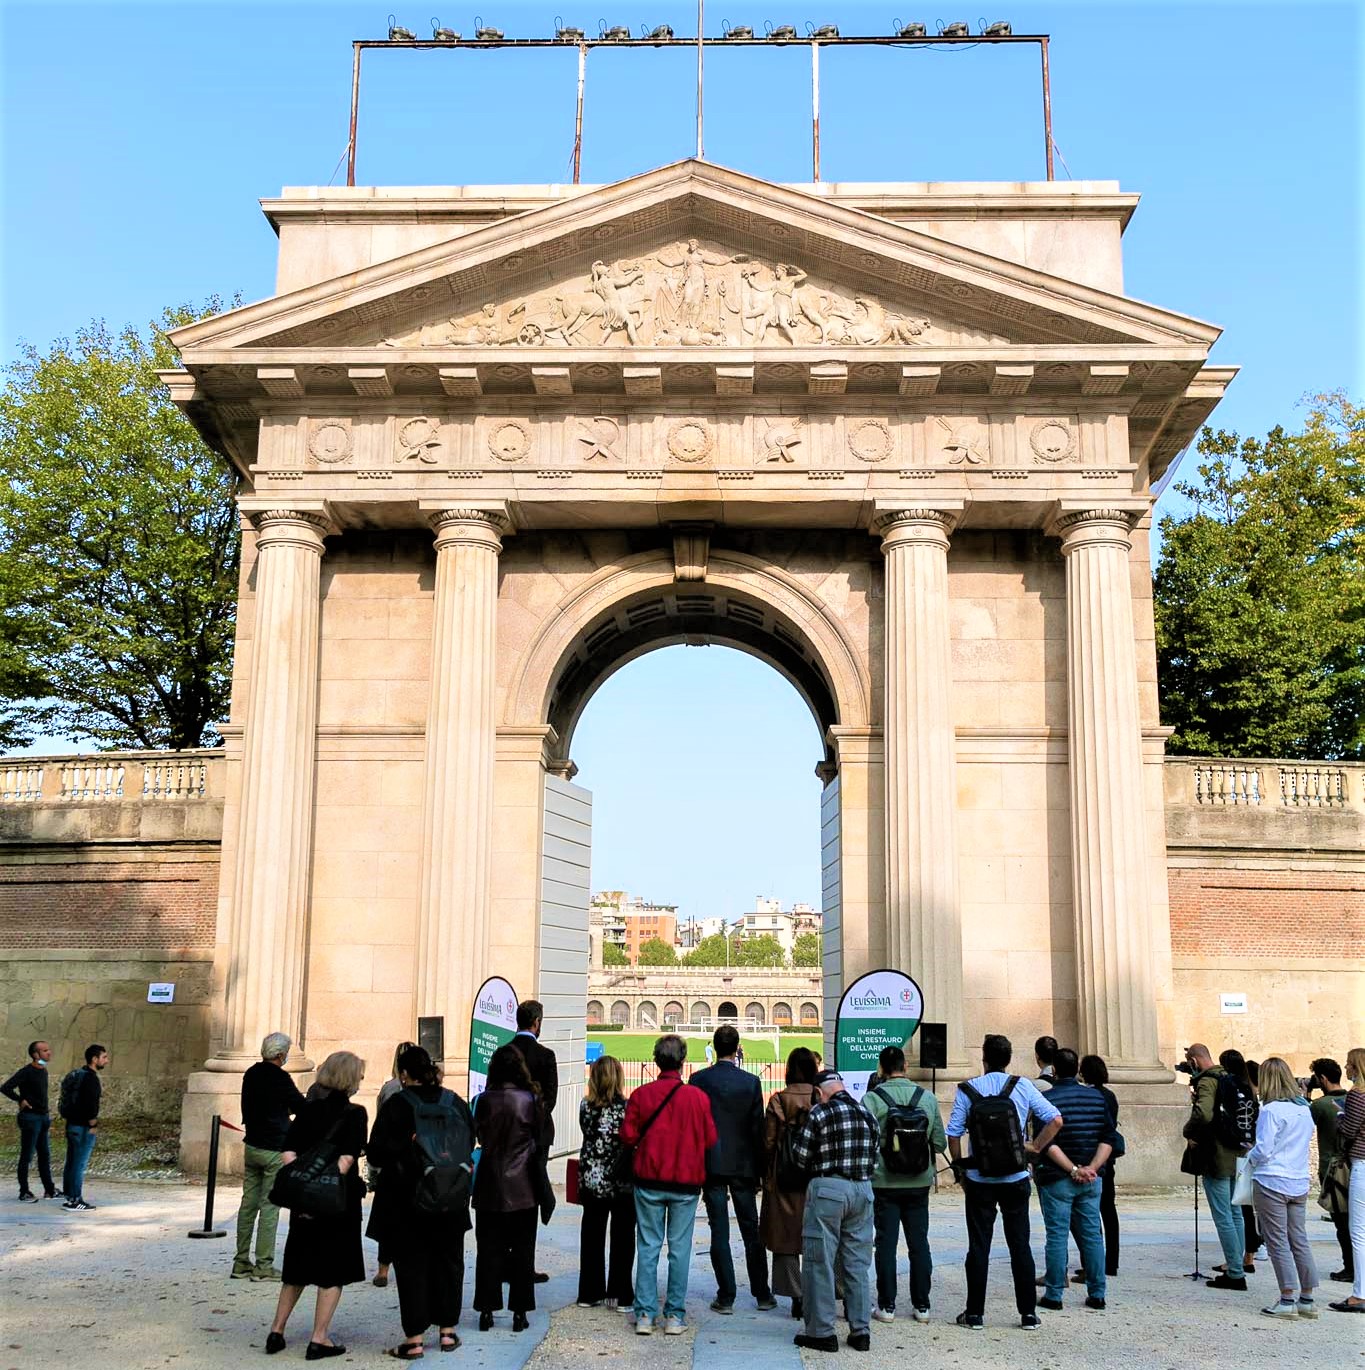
[(657, 952), (764, 950), (118, 547), (806, 950), (1260, 593), (612, 955), (711, 951)]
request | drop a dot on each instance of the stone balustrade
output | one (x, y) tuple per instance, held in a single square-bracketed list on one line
[(1261, 783), (124, 797)]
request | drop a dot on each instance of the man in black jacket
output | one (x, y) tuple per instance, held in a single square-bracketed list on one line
[(81, 1110), (269, 1099), (28, 1088), (544, 1068), (733, 1169)]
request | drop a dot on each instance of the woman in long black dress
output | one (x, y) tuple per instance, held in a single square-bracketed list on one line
[(325, 1252), (507, 1121), (427, 1249)]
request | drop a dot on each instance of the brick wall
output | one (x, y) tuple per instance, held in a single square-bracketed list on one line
[(1270, 913), (111, 904)]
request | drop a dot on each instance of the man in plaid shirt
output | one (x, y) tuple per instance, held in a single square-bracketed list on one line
[(837, 1147)]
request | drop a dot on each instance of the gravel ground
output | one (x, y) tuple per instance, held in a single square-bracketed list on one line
[(123, 1288)]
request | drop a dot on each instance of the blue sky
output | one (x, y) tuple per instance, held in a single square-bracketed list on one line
[(137, 138)]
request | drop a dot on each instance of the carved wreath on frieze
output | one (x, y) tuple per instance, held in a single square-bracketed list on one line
[(509, 440), (1052, 440), (690, 295), (330, 442), (690, 440), (870, 439)]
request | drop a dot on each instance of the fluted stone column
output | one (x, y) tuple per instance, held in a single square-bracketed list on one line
[(269, 910), (923, 913), (457, 814), (1115, 982)]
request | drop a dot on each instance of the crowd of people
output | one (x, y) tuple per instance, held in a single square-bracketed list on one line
[(823, 1185)]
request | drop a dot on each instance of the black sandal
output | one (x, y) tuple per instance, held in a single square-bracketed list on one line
[(450, 1341), (405, 1350)]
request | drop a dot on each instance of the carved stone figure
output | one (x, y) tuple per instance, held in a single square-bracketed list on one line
[(683, 307), (602, 301), (781, 438)]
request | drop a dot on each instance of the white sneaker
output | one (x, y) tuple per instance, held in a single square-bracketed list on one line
[(884, 1314), (920, 1314), (673, 1327), (1281, 1310), (644, 1325), (1307, 1308)]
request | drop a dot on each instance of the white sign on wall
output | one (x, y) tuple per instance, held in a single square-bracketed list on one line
[(1233, 1003), (161, 993)]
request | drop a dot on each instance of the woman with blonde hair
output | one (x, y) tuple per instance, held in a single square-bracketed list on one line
[(1280, 1182), (325, 1251), (1351, 1134), (607, 1198)]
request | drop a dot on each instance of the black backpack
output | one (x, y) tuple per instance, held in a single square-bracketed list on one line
[(71, 1088), (905, 1135), (996, 1134), (443, 1147), (789, 1177), (1234, 1114)]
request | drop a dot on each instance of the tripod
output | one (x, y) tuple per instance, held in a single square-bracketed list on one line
[(1196, 1273)]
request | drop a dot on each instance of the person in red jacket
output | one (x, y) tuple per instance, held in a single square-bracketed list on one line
[(670, 1126)]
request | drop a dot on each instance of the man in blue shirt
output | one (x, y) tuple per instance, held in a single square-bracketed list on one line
[(1067, 1175), (1009, 1192)]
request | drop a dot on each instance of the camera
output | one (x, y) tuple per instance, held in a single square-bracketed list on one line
[(1185, 1068)]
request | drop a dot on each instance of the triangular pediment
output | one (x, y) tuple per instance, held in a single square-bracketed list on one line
[(692, 255)]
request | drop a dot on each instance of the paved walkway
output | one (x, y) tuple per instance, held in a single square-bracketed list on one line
[(123, 1288)]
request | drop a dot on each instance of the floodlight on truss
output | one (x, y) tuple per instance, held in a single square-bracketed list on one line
[(398, 34), (660, 33), (782, 33), (1002, 28), (957, 29), (911, 30), (486, 33), (823, 31), (617, 33), (566, 33), (443, 35), (736, 30)]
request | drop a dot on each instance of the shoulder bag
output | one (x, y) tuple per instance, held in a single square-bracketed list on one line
[(312, 1184)]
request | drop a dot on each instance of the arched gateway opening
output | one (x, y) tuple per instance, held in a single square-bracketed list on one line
[(637, 606)]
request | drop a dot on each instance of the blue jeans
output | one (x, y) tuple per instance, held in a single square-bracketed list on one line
[(1228, 1223), (1061, 1201), (659, 1215), (836, 1246), (80, 1142), (744, 1193), (33, 1134)]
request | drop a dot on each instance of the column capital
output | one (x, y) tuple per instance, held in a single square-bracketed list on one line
[(1110, 525), (477, 525), (286, 527), (916, 523)]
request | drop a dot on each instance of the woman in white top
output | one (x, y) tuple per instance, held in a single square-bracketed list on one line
[(1280, 1180)]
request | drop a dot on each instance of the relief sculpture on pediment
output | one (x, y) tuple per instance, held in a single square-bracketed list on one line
[(687, 295)]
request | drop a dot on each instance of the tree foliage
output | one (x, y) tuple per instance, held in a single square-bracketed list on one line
[(118, 547), (657, 952), (764, 950), (806, 950), (712, 951), (1260, 593), (612, 955)]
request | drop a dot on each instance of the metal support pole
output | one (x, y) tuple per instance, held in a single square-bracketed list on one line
[(815, 111), (208, 1229), (1047, 107), (700, 49), (578, 116), (350, 148)]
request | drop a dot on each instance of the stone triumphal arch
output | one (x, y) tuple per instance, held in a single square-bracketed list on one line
[(900, 441)]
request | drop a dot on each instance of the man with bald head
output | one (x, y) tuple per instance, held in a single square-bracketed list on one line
[(1209, 1157), (28, 1088)]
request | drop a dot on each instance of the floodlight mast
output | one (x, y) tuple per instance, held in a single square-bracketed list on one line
[(828, 37)]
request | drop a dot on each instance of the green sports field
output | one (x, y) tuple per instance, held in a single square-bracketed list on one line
[(639, 1046)]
